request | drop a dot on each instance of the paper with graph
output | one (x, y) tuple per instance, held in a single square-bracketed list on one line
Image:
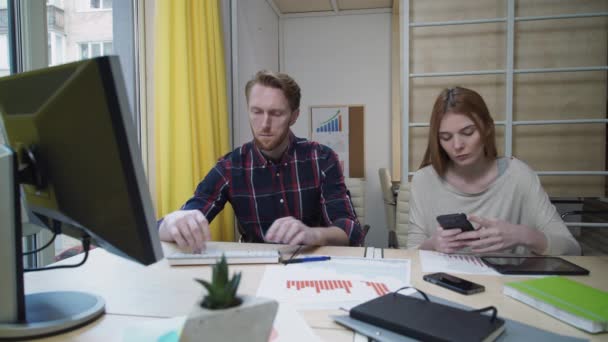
[(330, 128), (339, 282), (431, 261)]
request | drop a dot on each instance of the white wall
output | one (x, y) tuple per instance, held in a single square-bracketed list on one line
[(346, 60), (257, 46)]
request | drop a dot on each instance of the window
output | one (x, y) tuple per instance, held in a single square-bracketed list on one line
[(95, 49), (5, 67), (99, 4), (56, 3), (56, 48)]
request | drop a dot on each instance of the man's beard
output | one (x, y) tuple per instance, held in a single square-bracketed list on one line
[(270, 145)]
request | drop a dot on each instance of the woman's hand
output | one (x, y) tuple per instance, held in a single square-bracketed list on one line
[(445, 241), (497, 235)]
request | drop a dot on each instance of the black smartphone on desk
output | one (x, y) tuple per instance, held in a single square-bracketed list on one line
[(453, 221), (454, 283)]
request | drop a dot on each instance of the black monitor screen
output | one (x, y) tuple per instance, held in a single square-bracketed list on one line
[(74, 121)]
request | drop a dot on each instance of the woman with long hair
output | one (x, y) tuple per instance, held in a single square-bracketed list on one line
[(462, 173)]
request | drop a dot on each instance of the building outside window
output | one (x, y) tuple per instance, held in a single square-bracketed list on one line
[(95, 5), (95, 49), (56, 3), (78, 29), (5, 67), (56, 48)]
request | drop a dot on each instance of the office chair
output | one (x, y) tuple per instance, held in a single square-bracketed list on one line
[(390, 205), (403, 214), (356, 187)]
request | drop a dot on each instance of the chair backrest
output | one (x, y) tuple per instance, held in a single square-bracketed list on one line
[(403, 213), (356, 186), (390, 202), (389, 197)]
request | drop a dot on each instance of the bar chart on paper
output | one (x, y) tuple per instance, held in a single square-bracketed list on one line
[(432, 261), (333, 283), (333, 124), (330, 285)]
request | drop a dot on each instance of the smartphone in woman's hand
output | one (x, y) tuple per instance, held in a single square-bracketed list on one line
[(453, 221)]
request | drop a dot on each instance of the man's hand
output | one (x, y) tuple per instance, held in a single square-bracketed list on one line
[(188, 228), (289, 230)]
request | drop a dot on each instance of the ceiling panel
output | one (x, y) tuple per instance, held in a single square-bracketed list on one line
[(364, 4), (299, 6)]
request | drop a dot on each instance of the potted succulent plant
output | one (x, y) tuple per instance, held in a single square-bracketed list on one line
[(223, 316)]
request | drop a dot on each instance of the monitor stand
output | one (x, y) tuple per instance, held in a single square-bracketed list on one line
[(37, 314), (49, 313)]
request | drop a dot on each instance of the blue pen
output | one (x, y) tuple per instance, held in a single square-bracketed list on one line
[(307, 259)]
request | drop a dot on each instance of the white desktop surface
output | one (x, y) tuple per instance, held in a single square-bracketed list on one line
[(135, 293)]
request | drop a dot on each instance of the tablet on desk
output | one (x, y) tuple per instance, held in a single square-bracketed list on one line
[(533, 265)]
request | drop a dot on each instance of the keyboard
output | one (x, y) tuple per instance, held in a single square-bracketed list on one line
[(235, 256)]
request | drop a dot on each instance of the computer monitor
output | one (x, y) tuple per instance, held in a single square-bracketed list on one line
[(78, 155)]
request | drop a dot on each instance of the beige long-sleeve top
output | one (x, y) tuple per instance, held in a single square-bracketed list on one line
[(516, 196)]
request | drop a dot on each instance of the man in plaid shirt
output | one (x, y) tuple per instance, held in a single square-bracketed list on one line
[(283, 189)]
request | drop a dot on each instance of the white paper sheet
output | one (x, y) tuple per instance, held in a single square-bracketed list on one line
[(289, 325), (333, 283), (431, 261), (158, 330)]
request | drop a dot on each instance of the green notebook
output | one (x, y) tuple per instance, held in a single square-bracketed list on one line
[(572, 302)]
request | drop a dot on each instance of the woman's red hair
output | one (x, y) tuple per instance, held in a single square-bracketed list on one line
[(464, 101)]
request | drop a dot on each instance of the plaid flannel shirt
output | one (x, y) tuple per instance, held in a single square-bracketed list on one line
[(307, 184)]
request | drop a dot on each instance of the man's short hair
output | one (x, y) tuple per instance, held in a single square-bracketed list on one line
[(291, 90)]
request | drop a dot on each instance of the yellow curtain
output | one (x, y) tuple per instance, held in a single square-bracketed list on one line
[(191, 115)]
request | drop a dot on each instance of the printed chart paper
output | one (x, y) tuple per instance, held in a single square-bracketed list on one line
[(335, 283), (431, 261), (330, 128)]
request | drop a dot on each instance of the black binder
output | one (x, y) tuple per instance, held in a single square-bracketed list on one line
[(427, 321)]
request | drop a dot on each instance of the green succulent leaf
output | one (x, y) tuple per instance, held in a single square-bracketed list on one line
[(221, 292), (220, 272), (234, 284), (205, 283)]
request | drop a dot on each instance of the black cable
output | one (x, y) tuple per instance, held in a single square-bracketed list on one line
[(41, 248), (86, 244), (56, 231)]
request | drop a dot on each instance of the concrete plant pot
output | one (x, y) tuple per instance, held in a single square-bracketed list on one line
[(250, 321)]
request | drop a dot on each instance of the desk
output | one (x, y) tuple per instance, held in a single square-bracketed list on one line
[(134, 293)]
